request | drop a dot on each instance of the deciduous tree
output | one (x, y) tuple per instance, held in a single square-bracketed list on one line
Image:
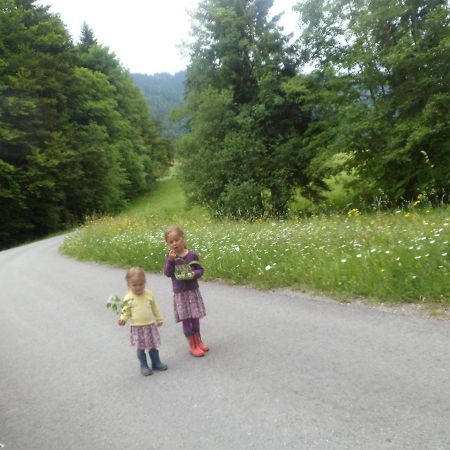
[(394, 56)]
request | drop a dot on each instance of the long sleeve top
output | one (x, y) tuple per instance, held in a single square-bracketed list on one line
[(141, 309), (184, 285)]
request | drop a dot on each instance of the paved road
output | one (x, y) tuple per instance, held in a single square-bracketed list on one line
[(285, 371)]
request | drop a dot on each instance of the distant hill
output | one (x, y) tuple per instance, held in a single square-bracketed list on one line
[(163, 92)]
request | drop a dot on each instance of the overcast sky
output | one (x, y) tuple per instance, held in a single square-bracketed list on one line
[(144, 34)]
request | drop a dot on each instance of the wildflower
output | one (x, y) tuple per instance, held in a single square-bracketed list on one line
[(359, 255), (343, 260), (116, 304), (354, 212), (420, 198), (381, 270), (444, 254), (268, 267)]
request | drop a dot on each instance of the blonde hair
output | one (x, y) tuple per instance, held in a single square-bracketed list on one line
[(174, 229), (134, 272)]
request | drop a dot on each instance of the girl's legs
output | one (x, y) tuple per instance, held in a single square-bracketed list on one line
[(195, 325), (189, 330), (156, 362), (198, 338), (145, 370), (191, 327), (187, 327)]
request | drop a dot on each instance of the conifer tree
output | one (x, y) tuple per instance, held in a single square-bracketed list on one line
[(239, 115), (87, 38)]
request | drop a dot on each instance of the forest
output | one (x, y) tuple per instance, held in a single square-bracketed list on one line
[(76, 135), (363, 94)]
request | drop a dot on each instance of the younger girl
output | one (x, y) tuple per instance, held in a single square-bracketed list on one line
[(183, 266), (139, 306)]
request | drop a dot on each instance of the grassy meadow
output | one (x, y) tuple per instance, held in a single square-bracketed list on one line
[(401, 256)]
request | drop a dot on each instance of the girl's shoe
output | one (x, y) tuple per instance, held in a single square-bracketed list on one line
[(156, 362), (193, 348), (200, 344), (146, 371)]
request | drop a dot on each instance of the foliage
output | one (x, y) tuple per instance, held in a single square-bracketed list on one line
[(373, 111), (76, 136), (118, 304), (242, 126), (392, 117), (12, 202)]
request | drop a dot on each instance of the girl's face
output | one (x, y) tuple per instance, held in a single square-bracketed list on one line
[(176, 242), (136, 285)]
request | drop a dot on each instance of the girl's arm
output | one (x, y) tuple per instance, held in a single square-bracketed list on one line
[(126, 311), (169, 267), (197, 268), (156, 311)]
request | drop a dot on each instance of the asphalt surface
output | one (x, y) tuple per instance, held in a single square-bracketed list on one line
[(285, 371)]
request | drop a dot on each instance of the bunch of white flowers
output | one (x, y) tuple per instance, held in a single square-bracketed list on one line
[(117, 304)]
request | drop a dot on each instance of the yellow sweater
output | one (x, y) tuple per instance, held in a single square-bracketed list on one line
[(141, 309)]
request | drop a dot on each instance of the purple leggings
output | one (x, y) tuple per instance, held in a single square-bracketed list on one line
[(191, 326)]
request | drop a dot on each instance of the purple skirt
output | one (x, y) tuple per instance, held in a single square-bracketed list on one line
[(188, 305), (145, 337)]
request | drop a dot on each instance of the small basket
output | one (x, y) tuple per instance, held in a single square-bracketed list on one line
[(184, 271)]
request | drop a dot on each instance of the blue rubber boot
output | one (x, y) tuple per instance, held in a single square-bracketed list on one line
[(145, 370), (156, 362)]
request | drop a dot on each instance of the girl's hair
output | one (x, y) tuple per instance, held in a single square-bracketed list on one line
[(173, 229), (134, 272)]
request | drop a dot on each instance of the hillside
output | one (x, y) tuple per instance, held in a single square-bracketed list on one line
[(163, 92)]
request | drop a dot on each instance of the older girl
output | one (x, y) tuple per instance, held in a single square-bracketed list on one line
[(183, 267)]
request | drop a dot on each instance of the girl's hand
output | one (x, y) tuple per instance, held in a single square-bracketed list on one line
[(172, 255), (158, 324), (121, 322)]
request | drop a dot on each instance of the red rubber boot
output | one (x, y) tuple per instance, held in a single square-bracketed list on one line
[(196, 351), (200, 344)]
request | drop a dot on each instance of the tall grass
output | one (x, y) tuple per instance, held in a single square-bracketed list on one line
[(401, 256)]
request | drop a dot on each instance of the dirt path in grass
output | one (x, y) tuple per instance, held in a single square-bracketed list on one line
[(285, 370)]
